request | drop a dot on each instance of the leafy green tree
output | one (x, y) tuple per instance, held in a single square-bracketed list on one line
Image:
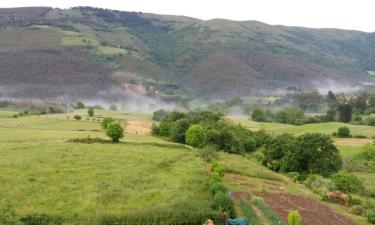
[(360, 103), (115, 131), (195, 136), (316, 153), (178, 130), (276, 149), (347, 182), (106, 121), (113, 107), (343, 132), (331, 113), (294, 218), (331, 96), (308, 153), (79, 105), (90, 112), (290, 115), (159, 115), (77, 117), (344, 112), (258, 115)]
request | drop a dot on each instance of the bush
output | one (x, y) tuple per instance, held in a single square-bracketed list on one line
[(115, 131), (343, 132), (357, 209), (317, 183), (294, 218), (370, 121), (371, 216), (195, 136), (90, 112), (347, 183), (356, 200), (77, 117), (106, 121), (223, 204)]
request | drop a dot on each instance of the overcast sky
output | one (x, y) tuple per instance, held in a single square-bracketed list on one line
[(345, 14)]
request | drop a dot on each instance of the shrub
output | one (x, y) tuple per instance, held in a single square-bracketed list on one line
[(294, 218), (317, 183), (195, 136), (371, 216), (220, 170), (343, 132), (217, 187), (106, 121), (90, 112), (77, 117), (370, 121), (347, 183), (357, 209), (224, 204), (208, 153), (356, 200), (115, 131)]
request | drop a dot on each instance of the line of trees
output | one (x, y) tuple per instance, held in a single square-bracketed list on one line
[(207, 128)]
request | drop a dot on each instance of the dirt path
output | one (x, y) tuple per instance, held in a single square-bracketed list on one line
[(138, 127)]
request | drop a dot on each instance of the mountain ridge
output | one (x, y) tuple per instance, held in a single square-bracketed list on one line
[(178, 56)]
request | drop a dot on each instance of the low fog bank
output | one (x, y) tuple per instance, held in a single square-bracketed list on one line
[(124, 99)]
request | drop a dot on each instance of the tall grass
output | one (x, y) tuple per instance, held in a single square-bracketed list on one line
[(250, 214)]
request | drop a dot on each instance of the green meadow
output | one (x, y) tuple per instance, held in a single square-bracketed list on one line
[(43, 173)]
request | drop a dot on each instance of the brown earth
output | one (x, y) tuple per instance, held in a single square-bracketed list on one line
[(352, 142), (138, 127), (312, 212)]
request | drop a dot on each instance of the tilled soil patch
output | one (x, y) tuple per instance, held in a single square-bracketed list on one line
[(312, 212)]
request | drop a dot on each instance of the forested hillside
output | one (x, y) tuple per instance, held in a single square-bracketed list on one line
[(86, 52)]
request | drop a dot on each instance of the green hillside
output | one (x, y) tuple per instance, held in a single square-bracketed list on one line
[(87, 50)]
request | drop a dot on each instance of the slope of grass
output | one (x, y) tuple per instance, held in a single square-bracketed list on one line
[(42, 173)]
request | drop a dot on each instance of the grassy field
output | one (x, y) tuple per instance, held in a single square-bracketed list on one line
[(41, 172), (326, 128)]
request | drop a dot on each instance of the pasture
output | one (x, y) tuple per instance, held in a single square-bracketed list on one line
[(43, 173)]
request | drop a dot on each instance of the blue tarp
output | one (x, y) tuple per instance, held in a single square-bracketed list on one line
[(238, 221)]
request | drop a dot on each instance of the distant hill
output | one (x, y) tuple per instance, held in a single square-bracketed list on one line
[(88, 52)]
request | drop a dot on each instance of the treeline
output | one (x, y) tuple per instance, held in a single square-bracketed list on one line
[(207, 128), (356, 109)]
